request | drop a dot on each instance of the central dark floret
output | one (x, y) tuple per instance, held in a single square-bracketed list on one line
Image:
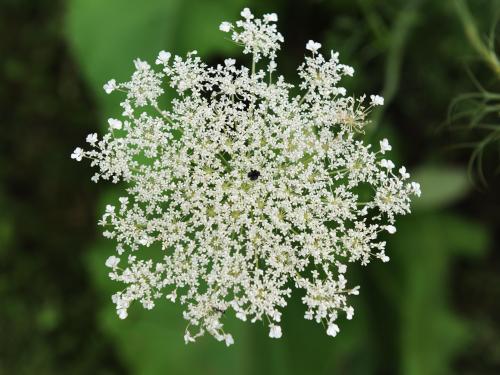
[(253, 175)]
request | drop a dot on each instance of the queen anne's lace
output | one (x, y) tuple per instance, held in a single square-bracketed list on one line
[(244, 189)]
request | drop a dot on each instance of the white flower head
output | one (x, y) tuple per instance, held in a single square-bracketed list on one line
[(172, 296), (271, 17), (122, 313), (188, 338), (77, 154), (348, 70), (388, 164), (385, 146), (245, 187), (246, 14), (404, 175), (332, 329), (349, 313), (274, 331), (114, 123), (313, 46), (242, 316), (163, 58), (141, 65), (110, 86), (112, 261), (390, 228), (416, 188), (229, 62), (91, 138), (228, 339), (225, 27), (376, 100)]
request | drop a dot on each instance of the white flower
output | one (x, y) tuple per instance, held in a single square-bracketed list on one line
[(348, 70), (145, 240), (172, 296), (385, 146), (245, 13), (274, 331), (271, 66), (332, 330), (313, 46), (235, 179), (188, 338), (92, 138), (228, 339), (416, 188), (77, 154), (225, 27), (112, 261), (271, 17), (122, 313), (376, 100), (342, 268), (388, 164), (114, 123), (141, 65), (349, 313), (110, 86), (242, 316), (163, 58), (404, 175), (390, 228), (229, 62)]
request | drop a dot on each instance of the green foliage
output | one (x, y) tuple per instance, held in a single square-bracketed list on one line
[(478, 113), (107, 36), (442, 186), (430, 332)]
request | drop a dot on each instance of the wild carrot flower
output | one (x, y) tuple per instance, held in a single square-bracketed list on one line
[(243, 190)]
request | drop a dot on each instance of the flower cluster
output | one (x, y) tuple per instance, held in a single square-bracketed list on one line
[(242, 190)]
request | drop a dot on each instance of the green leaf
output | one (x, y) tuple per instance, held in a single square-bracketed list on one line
[(423, 251), (106, 36)]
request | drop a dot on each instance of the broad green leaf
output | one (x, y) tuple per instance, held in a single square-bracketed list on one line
[(422, 252), (106, 36)]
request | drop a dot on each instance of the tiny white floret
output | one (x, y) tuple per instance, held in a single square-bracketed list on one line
[(92, 138), (225, 27), (110, 86), (376, 100), (332, 330), (112, 261), (271, 17), (229, 340), (245, 13), (114, 123), (390, 228), (229, 62), (385, 146), (77, 154), (388, 164), (313, 46), (163, 57), (274, 331)]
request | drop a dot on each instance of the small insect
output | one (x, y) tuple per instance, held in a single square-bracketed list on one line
[(253, 174)]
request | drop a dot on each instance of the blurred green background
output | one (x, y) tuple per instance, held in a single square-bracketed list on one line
[(434, 309)]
